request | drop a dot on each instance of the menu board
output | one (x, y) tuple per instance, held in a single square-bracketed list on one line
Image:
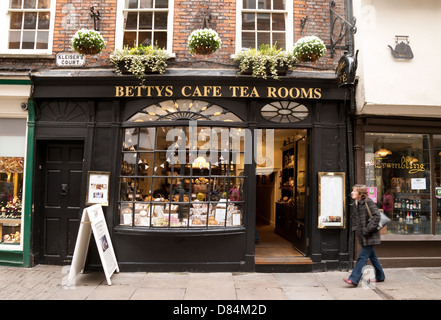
[(331, 200)]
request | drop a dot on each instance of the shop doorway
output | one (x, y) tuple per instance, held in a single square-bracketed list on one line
[(58, 183), (281, 201)]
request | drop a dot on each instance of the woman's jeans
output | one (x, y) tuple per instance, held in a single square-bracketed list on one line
[(366, 253)]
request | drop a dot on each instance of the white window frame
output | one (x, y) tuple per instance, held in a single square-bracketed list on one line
[(5, 18), (119, 32), (289, 22)]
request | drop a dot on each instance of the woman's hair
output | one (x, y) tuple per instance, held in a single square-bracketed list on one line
[(362, 190)]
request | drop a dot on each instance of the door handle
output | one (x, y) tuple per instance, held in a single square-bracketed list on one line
[(64, 189)]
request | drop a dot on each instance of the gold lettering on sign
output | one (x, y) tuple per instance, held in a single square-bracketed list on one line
[(406, 163), (218, 91)]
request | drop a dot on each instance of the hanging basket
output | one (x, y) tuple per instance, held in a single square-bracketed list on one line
[(203, 50), (88, 50), (312, 57)]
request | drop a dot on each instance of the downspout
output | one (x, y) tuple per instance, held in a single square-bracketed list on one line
[(350, 140)]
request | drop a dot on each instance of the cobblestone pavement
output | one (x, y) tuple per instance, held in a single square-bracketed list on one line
[(47, 282)]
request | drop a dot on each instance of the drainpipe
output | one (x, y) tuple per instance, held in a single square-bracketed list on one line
[(350, 141)]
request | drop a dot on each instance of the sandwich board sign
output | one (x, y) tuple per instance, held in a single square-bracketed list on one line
[(93, 221)]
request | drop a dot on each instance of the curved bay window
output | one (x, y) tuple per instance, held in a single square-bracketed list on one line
[(182, 176)]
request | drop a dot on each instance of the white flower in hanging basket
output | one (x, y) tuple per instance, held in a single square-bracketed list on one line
[(204, 41), (309, 49), (87, 41)]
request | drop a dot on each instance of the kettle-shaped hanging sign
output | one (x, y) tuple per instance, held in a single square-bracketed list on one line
[(402, 50)]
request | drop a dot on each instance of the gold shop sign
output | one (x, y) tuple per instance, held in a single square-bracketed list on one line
[(406, 163), (191, 91)]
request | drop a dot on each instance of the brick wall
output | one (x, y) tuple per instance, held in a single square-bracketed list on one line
[(189, 15)]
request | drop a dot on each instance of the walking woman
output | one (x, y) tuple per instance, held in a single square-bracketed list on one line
[(367, 233)]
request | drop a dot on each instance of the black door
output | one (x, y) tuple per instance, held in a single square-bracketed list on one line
[(61, 170)]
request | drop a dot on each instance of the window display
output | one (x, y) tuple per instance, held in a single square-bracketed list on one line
[(188, 177), (398, 174), (12, 148)]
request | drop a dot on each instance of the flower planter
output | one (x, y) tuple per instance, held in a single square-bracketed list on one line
[(281, 71), (88, 50), (308, 57), (203, 50)]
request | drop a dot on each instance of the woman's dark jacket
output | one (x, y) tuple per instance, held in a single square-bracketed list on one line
[(364, 226)]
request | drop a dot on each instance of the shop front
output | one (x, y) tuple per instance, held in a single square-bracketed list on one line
[(401, 160), (15, 174), (197, 166)]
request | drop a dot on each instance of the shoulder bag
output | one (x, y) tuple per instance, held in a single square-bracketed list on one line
[(384, 219)]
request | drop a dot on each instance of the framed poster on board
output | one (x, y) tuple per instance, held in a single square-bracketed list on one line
[(331, 201), (98, 188)]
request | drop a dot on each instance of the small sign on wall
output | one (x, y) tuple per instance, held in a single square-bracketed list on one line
[(70, 59)]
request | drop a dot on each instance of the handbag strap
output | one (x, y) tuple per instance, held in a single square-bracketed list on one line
[(368, 210)]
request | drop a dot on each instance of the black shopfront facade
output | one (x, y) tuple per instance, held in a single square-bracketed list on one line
[(186, 154)]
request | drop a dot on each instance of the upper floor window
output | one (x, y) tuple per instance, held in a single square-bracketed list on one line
[(29, 24), (146, 22), (264, 22)]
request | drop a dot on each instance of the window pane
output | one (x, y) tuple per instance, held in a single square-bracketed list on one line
[(28, 40), (278, 21), (132, 4), (15, 4), (16, 20), (263, 21), (43, 21), (145, 164), (145, 20), (29, 4), (248, 40), (128, 164), (130, 142), (249, 4), (161, 4), (263, 38), (279, 40), (161, 39), (144, 4), (30, 20), (44, 4), (145, 38), (161, 21), (131, 21), (263, 4), (14, 39), (129, 39), (248, 21), (397, 166), (42, 39), (279, 4)]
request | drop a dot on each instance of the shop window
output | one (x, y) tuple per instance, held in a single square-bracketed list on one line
[(265, 22), (398, 173), (29, 25), (147, 22), (284, 112), (12, 148), (181, 176), (171, 110)]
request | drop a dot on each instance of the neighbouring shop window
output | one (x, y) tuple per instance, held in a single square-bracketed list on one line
[(437, 159), (12, 149), (182, 176), (398, 172), (146, 22)]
